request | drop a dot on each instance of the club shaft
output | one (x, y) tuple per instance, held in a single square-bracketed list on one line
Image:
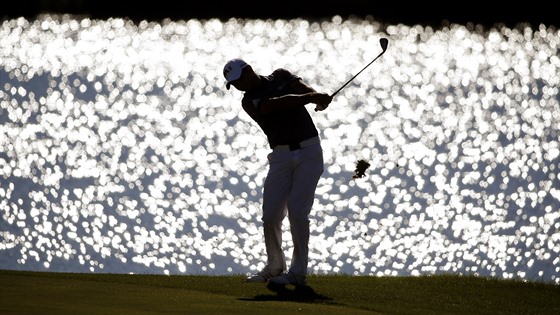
[(383, 42), (345, 84)]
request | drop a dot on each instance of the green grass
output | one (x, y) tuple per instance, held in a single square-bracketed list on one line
[(23, 292)]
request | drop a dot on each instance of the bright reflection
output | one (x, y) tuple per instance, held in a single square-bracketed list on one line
[(121, 150)]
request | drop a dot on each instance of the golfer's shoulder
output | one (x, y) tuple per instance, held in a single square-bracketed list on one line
[(281, 73), (282, 76)]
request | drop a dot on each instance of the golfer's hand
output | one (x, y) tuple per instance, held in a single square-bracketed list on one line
[(322, 101)]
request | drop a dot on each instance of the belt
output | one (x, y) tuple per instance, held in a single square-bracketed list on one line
[(297, 146)]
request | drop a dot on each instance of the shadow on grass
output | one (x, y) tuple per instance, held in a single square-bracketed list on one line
[(304, 294)]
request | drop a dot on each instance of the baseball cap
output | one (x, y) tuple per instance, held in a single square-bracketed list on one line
[(232, 70)]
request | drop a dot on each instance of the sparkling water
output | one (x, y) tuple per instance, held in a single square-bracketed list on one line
[(121, 151)]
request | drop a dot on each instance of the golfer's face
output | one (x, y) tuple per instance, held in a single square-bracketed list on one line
[(242, 84)]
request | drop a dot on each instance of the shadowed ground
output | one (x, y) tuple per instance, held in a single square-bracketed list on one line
[(304, 294)]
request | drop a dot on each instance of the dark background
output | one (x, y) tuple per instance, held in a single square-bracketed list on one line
[(435, 13)]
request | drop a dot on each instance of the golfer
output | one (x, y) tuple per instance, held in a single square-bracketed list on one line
[(276, 102)]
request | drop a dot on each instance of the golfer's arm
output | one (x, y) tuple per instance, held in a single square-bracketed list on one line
[(286, 102), (301, 87), (303, 95)]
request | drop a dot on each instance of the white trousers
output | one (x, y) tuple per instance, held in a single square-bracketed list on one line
[(289, 189)]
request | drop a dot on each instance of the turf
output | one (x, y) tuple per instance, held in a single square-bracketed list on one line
[(24, 292)]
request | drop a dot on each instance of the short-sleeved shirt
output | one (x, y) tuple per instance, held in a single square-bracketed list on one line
[(283, 126)]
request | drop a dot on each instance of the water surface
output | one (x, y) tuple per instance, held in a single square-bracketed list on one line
[(121, 151)]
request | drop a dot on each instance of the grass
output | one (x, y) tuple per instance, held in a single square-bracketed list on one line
[(24, 292)]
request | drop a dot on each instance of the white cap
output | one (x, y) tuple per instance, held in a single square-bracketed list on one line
[(233, 69)]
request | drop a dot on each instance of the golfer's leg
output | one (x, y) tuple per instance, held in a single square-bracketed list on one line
[(300, 202), (275, 194)]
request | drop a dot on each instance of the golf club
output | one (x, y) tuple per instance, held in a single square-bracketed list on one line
[(383, 42)]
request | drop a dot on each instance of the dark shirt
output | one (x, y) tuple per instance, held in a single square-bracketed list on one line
[(283, 126)]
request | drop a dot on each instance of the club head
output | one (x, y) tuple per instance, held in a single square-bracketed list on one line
[(384, 42)]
